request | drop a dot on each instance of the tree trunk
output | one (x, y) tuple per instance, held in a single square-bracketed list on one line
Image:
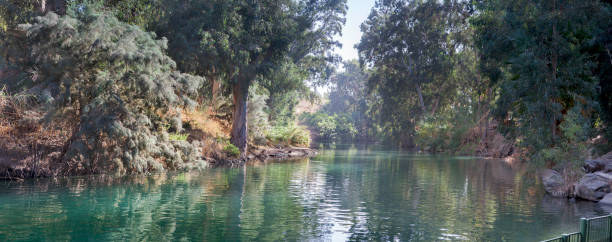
[(435, 107), (57, 6), (216, 86), (554, 64), (421, 102), (42, 7), (240, 91)]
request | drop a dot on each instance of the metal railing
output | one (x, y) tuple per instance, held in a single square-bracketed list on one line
[(591, 230)]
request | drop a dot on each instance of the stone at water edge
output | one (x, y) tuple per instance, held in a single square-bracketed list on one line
[(607, 199), (593, 186), (593, 165), (553, 183), (603, 163)]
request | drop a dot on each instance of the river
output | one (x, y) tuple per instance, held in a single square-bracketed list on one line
[(342, 194)]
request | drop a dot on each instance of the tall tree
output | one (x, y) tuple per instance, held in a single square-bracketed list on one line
[(240, 41), (114, 84), (536, 53), (410, 45)]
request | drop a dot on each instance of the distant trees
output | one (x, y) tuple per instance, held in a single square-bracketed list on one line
[(346, 117), (410, 46), (541, 68)]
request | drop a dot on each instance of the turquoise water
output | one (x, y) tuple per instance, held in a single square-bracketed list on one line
[(344, 194)]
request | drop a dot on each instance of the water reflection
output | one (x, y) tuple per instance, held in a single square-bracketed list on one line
[(351, 194)]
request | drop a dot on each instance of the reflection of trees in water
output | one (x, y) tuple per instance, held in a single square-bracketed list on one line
[(417, 196), (354, 194)]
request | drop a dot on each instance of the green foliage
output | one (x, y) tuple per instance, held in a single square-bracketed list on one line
[(336, 127), (446, 131), (143, 13), (178, 137), (239, 42), (118, 84), (231, 150), (573, 147), (411, 47), (289, 134), (536, 53), (300, 137), (323, 123), (286, 86), (256, 114)]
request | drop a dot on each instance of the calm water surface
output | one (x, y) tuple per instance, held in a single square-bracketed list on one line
[(343, 194)]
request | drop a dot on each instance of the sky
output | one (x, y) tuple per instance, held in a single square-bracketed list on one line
[(358, 11)]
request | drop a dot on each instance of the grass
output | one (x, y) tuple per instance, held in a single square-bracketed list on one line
[(178, 137), (231, 150), (290, 135)]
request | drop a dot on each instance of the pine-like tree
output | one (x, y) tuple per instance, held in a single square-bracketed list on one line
[(119, 86)]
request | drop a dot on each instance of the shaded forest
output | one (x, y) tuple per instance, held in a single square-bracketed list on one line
[(92, 86)]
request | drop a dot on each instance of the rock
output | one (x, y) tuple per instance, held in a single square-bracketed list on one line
[(593, 186), (607, 199), (553, 183), (294, 153), (591, 166), (603, 163)]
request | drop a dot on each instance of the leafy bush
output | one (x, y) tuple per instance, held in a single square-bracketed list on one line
[(231, 150), (290, 134), (332, 127), (178, 136), (256, 114), (300, 137), (573, 146), (120, 87), (445, 132), (345, 128)]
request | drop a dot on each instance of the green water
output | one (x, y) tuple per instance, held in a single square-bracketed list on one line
[(340, 195)]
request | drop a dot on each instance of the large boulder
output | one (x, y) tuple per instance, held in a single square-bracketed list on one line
[(593, 186), (607, 199), (603, 163), (553, 183)]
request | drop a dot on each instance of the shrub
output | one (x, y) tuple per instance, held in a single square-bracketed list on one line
[(178, 137), (119, 87), (231, 150), (289, 135), (573, 146), (256, 114), (300, 137)]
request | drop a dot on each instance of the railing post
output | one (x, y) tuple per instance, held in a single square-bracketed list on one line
[(583, 229), (565, 238), (610, 227)]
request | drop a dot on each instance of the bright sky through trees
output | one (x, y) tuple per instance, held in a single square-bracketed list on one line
[(358, 11)]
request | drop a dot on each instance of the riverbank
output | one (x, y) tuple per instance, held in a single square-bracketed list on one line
[(24, 158), (31, 148), (595, 185)]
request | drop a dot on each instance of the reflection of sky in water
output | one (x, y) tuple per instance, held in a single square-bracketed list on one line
[(340, 195)]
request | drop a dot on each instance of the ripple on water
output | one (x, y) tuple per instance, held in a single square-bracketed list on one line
[(341, 195)]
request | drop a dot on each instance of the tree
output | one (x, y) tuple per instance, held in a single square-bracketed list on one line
[(240, 41), (410, 46), (14, 12), (286, 86), (115, 85), (536, 53)]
